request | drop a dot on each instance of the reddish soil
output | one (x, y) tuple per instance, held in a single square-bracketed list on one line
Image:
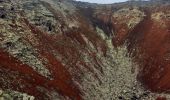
[(149, 45)]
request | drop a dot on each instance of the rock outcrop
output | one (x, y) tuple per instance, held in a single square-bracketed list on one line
[(68, 50)]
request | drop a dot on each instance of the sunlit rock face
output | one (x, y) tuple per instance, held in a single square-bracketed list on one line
[(67, 50)]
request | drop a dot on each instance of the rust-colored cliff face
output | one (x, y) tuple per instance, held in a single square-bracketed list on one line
[(146, 32), (67, 50), (153, 49), (148, 43)]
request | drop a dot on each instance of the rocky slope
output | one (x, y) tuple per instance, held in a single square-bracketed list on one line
[(67, 50)]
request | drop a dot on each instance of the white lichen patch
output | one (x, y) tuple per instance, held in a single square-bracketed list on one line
[(72, 24), (160, 17), (101, 33), (62, 6), (53, 95), (116, 77), (51, 18), (131, 17), (14, 95), (90, 44), (40, 16)]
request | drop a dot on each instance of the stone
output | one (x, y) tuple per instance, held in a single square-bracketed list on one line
[(61, 50)]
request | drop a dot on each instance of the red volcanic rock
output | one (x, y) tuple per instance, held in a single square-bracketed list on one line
[(147, 41), (47, 65), (78, 51), (161, 98), (152, 48)]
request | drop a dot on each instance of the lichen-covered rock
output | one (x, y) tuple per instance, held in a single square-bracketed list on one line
[(14, 95), (68, 50)]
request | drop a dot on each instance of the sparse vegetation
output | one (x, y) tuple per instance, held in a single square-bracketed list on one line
[(62, 50)]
